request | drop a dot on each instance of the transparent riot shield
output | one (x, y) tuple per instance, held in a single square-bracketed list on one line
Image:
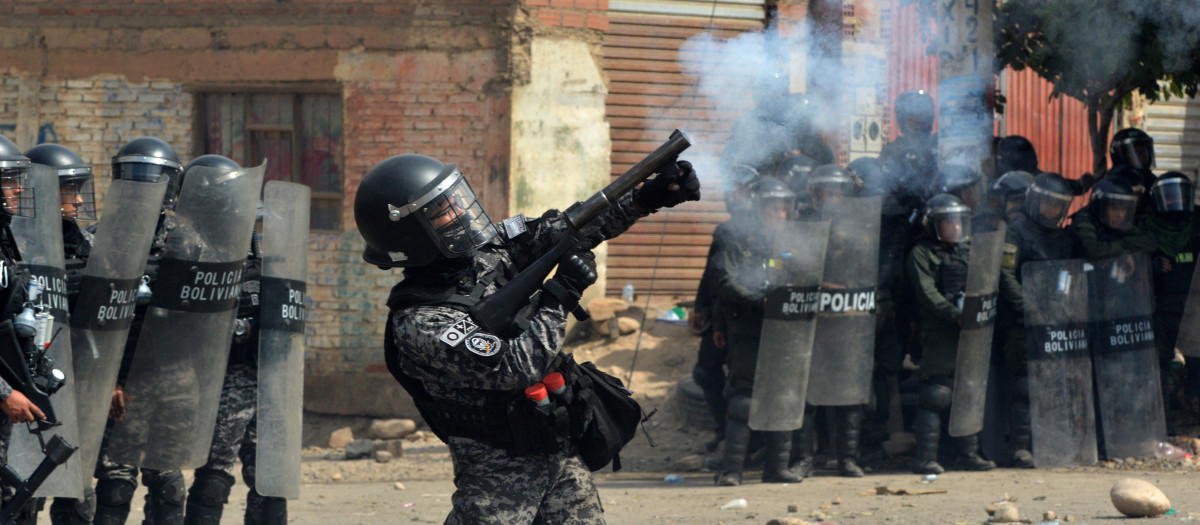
[(103, 311), (281, 339), (1124, 359), (174, 383), (844, 345), (1060, 367), (41, 244), (975, 338), (789, 324), (1188, 340)]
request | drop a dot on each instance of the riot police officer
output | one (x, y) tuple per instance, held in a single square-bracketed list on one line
[(937, 268), (75, 185), (914, 152), (234, 436), (420, 214), (742, 282), (1036, 234), (795, 172), (1132, 153), (1007, 195), (1108, 227), (1015, 153), (146, 159)]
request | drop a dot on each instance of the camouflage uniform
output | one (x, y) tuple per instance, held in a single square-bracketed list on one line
[(493, 484), (11, 298)]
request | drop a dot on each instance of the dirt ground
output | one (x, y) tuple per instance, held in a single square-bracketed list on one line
[(417, 486)]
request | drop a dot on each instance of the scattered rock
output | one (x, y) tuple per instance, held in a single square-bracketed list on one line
[(788, 521), (900, 443), (1049, 516), (337, 476), (605, 308), (1005, 513), (1069, 518), (419, 435), (690, 463), (837, 501), (340, 437), (793, 509), (398, 486), (391, 428), (1137, 498), (627, 325), (395, 447), (383, 456), (360, 448)]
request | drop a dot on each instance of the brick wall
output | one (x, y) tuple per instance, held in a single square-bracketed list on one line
[(591, 14)]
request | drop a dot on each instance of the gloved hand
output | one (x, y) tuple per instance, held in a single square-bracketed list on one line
[(675, 183), (576, 271)]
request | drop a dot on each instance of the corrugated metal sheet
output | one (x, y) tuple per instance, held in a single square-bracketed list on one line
[(1057, 129), (649, 95), (909, 67), (1175, 126)]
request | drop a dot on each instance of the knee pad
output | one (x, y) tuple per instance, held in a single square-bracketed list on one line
[(167, 487), (211, 488), (114, 492), (936, 397), (739, 408)]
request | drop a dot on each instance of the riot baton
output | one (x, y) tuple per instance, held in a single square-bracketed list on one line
[(497, 312)]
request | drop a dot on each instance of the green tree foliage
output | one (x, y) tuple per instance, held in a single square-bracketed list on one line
[(1101, 51)]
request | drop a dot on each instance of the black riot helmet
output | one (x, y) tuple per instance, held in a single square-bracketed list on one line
[(149, 159), (767, 196), (876, 177), (1016, 153), (412, 210), (1132, 147), (219, 162), (947, 219), (962, 181), (1008, 192), (75, 184), (16, 194), (832, 182), (1173, 194), (795, 172), (915, 112), (1048, 200), (1114, 203)]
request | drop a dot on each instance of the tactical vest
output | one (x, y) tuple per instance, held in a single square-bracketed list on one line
[(951, 277)]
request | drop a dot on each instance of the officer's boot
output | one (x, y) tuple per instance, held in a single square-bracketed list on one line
[(849, 428), (264, 510), (113, 498), (67, 511), (1020, 425), (802, 447), (968, 454), (775, 465), (928, 430), (737, 439), (165, 496), (207, 498)]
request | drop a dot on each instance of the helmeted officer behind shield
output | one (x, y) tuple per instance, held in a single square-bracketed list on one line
[(914, 153), (937, 269), (419, 214)]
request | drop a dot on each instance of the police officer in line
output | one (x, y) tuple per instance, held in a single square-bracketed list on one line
[(14, 201), (1015, 153), (743, 279), (966, 183), (937, 268), (235, 435), (914, 152), (1006, 197), (417, 213), (795, 171), (1133, 149), (75, 189), (1108, 225), (1172, 223), (146, 159), (1036, 234)]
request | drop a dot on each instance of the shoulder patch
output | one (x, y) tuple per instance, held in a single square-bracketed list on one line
[(459, 330), (486, 345), (514, 226), (1009, 259)]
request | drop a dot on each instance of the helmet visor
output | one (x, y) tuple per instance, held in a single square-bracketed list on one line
[(146, 172), (16, 194), (1173, 195), (458, 221), (1117, 211), (952, 227), (1138, 152), (1047, 207), (78, 197)]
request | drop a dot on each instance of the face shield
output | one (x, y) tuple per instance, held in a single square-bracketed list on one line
[(953, 227), (75, 188), (455, 218), (1173, 196), (141, 171), (830, 190), (1138, 151), (1117, 211), (16, 193), (1047, 208)]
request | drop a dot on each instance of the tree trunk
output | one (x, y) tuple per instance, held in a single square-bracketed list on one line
[(1100, 118)]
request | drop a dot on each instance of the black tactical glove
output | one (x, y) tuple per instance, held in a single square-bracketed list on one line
[(676, 182), (576, 271)]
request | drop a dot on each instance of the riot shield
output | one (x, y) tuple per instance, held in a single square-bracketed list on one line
[(103, 311), (41, 244), (1060, 367), (1188, 340), (281, 338), (975, 338), (844, 344), (174, 383), (789, 324), (1124, 360)]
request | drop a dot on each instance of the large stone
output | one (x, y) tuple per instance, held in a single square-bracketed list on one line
[(360, 448), (1138, 498), (382, 456), (628, 325), (340, 437), (395, 447), (1006, 513), (605, 308), (391, 428), (788, 521)]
